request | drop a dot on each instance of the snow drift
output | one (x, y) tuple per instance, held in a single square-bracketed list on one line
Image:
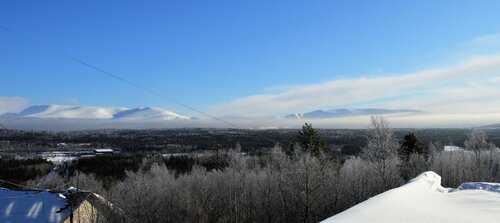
[(423, 199)]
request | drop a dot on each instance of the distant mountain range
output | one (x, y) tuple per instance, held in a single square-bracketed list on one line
[(159, 114), (343, 112), (64, 117), (90, 112), (494, 126)]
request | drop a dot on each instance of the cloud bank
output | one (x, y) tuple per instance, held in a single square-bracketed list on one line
[(469, 89)]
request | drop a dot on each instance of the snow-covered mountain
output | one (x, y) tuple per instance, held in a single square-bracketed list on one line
[(148, 114), (91, 112), (423, 199), (343, 112), (64, 111)]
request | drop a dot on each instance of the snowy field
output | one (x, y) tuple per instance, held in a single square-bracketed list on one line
[(423, 199)]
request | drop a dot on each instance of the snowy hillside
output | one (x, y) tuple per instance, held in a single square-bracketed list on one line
[(148, 114), (90, 112), (423, 199)]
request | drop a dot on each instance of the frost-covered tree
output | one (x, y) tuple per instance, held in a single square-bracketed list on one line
[(477, 142), (434, 149), (358, 181), (381, 152)]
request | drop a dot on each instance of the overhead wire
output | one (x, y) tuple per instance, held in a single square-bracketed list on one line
[(34, 188), (145, 89), (18, 185), (3, 126), (123, 80)]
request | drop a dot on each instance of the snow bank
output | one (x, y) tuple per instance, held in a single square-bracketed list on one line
[(423, 199), (428, 180)]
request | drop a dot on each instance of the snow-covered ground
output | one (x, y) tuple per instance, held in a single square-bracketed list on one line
[(423, 199), (60, 159)]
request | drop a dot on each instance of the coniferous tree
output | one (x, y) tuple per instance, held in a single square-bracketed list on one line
[(413, 155), (310, 140), (410, 145)]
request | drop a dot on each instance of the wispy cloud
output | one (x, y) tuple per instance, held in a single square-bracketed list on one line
[(489, 41), (441, 90), (12, 104)]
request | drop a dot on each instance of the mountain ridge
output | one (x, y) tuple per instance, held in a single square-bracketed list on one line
[(344, 112), (492, 126), (93, 112)]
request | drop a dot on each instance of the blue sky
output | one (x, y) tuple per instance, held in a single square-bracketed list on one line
[(215, 54)]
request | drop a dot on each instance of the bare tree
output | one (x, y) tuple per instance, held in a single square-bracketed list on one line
[(435, 148), (358, 181), (477, 143), (381, 152)]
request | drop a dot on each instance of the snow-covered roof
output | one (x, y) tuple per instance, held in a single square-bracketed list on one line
[(32, 206), (423, 199), (103, 150)]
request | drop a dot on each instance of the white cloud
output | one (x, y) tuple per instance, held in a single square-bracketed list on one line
[(12, 104), (445, 89), (475, 97)]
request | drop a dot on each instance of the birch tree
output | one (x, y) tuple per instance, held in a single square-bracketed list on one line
[(381, 152)]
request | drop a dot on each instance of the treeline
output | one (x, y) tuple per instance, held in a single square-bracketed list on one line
[(20, 171), (106, 168), (110, 169), (301, 183), (347, 141)]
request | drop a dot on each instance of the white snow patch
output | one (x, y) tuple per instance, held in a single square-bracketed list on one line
[(60, 159), (452, 148), (423, 199)]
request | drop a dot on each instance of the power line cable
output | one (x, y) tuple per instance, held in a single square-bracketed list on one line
[(152, 92), (12, 32), (34, 188), (18, 185), (149, 90), (3, 127), (116, 77)]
